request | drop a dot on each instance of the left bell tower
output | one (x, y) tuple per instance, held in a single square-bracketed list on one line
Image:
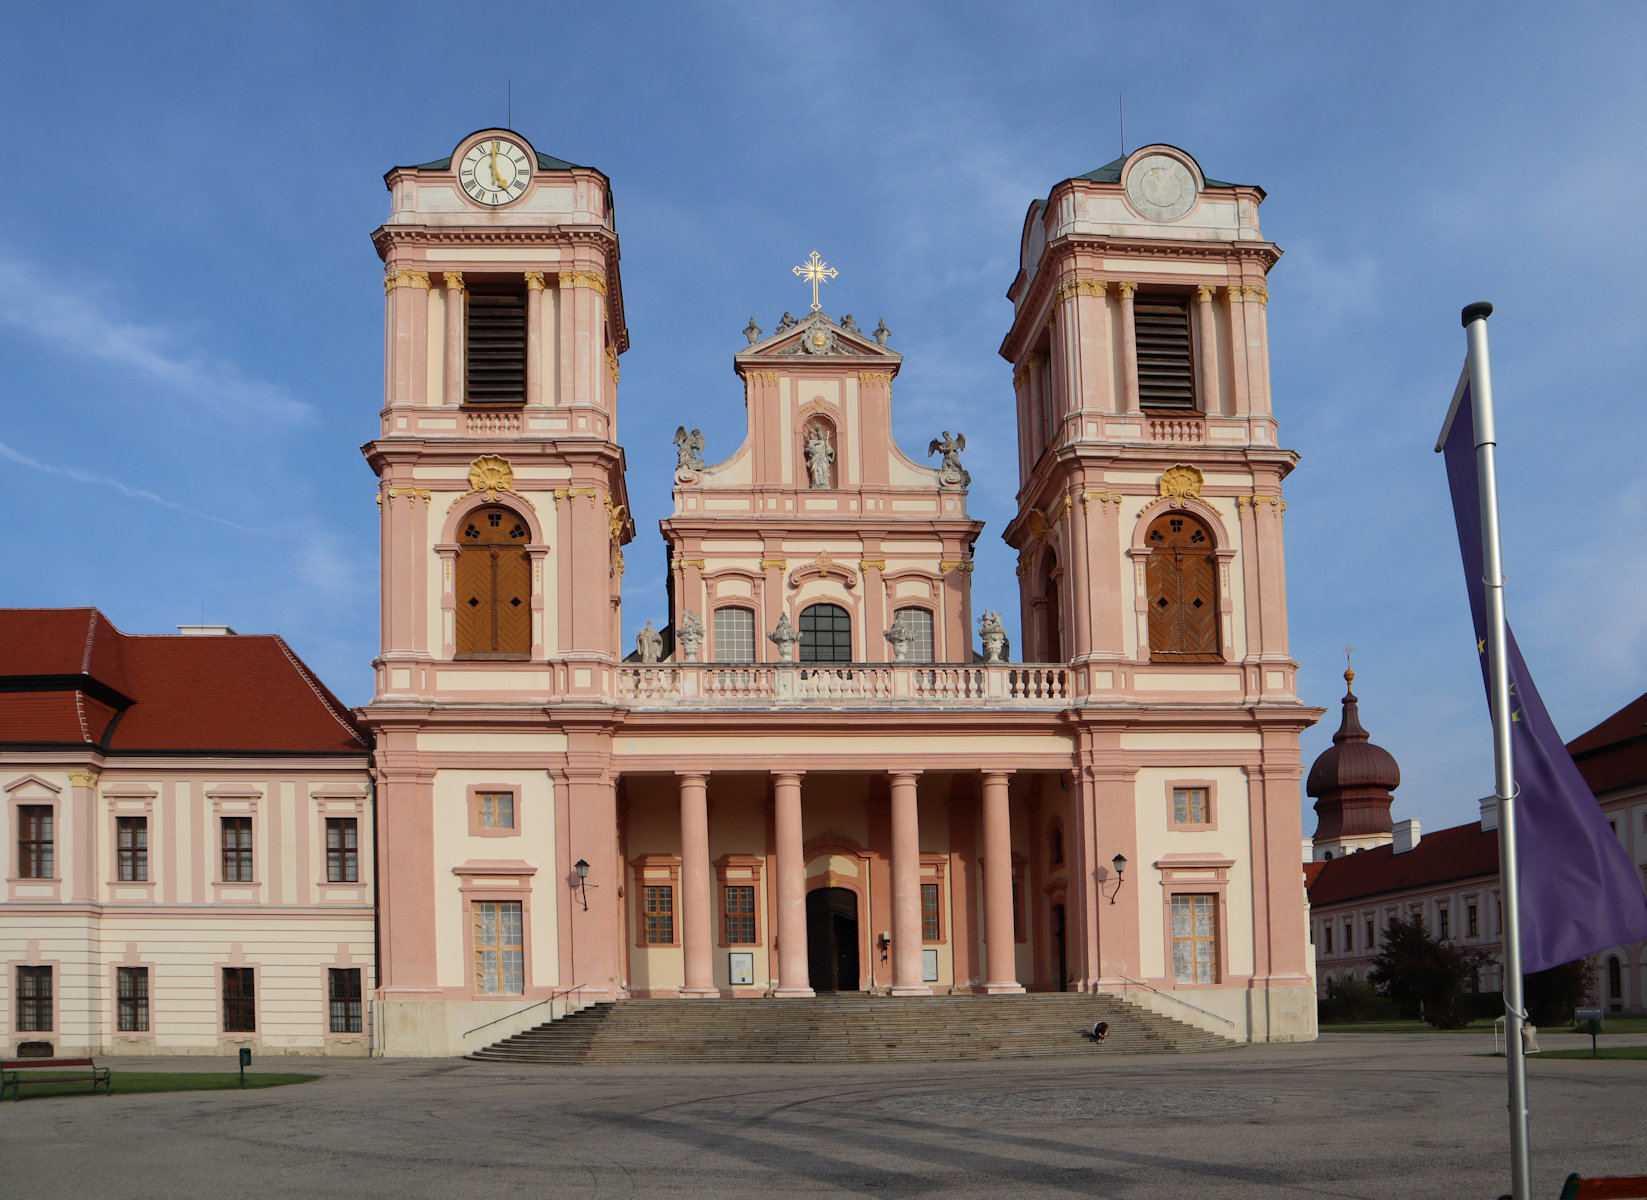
[(503, 515)]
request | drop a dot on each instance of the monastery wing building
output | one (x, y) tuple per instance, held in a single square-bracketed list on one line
[(825, 771)]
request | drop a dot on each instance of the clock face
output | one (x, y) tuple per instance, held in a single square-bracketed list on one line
[(495, 171)]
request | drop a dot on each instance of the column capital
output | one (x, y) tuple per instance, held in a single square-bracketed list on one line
[(534, 281), (1203, 293), (453, 279), (996, 776), (692, 776), (797, 776), (1125, 288), (903, 774)]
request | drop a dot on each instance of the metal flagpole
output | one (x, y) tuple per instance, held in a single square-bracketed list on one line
[(1498, 674)]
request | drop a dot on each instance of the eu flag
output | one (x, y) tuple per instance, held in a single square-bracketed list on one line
[(1578, 889)]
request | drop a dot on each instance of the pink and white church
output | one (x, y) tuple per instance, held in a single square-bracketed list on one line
[(819, 771)]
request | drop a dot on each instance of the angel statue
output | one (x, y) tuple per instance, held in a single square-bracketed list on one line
[(650, 644), (950, 469), (819, 454), (688, 450), (787, 322)]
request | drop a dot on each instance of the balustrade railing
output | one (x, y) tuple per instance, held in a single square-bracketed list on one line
[(1178, 430), (491, 424), (829, 684)]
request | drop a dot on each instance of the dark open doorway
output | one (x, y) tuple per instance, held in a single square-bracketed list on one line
[(1060, 948), (832, 939)]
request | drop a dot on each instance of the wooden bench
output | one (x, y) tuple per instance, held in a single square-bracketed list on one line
[(11, 1074), (1622, 1187)]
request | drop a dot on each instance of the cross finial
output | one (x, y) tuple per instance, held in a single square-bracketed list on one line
[(815, 271), (1349, 672)]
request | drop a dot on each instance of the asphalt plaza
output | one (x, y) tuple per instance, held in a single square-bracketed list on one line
[(1350, 1115)]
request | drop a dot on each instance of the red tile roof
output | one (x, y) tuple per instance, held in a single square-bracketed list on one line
[(1614, 754), (1462, 852), (68, 676)]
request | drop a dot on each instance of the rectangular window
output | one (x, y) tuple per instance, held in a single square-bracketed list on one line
[(34, 841), (33, 999), (1189, 806), (343, 995), (1195, 939), (131, 986), (1443, 922), (497, 810), (500, 948), (660, 914), (496, 346), (1372, 936), (734, 635), (1472, 920), (1349, 937), (239, 1000), (739, 914), (1326, 934), (931, 930), (237, 849), (342, 850), (917, 622), (131, 837), (1166, 372)]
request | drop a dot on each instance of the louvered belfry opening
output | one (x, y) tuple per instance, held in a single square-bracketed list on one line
[(1166, 370), (496, 340)]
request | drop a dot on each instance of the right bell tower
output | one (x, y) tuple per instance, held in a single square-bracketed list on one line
[(1149, 539)]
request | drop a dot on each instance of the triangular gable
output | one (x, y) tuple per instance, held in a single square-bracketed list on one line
[(815, 335)]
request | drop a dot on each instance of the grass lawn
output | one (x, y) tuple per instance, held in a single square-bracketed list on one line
[(1601, 1052), (129, 1083), (1613, 1024)]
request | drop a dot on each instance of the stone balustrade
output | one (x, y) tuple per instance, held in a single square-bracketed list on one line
[(491, 424), (971, 685), (1183, 431)]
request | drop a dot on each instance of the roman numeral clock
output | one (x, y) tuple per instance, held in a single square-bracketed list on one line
[(495, 171)]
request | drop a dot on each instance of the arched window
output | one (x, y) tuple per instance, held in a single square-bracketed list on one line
[(918, 623), (1055, 844), (494, 586), (826, 634), (1615, 978), (734, 635), (1182, 579)]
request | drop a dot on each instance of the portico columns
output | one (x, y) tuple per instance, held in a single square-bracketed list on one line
[(1129, 348), (793, 972), (697, 908), (906, 888), (1000, 946)]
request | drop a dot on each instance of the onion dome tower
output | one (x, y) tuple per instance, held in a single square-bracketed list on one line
[(1352, 782)]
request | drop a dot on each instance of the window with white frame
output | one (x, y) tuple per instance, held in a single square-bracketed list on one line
[(917, 622), (1195, 939), (734, 634), (500, 948)]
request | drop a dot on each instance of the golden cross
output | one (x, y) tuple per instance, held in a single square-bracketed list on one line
[(815, 271)]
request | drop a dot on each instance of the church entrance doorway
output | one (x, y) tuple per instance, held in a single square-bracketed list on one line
[(1060, 946), (832, 939)]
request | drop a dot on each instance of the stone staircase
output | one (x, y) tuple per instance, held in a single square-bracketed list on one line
[(848, 1027)]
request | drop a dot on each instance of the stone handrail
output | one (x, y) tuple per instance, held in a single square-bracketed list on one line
[(829, 684), (1177, 430)]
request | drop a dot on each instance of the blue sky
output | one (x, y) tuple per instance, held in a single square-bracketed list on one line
[(190, 308)]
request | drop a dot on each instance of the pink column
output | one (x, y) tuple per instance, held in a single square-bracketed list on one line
[(906, 888), (1209, 350), (697, 909), (454, 338), (534, 337), (793, 974), (1000, 948), (1129, 349)]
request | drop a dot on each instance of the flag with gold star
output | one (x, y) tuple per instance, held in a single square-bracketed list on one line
[(1579, 893)]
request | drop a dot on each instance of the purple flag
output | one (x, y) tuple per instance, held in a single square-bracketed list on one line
[(1578, 889)]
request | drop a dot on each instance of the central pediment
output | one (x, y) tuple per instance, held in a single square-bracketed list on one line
[(816, 336)]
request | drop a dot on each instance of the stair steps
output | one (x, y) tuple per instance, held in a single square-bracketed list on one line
[(849, 1027)]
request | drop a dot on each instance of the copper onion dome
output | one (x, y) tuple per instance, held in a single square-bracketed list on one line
[(1353, 779)]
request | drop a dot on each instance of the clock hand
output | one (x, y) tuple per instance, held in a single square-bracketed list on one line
[(495, 178)]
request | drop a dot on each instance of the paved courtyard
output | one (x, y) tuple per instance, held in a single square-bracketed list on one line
[(1354, 1116)]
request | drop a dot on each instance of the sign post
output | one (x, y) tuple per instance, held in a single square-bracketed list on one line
[(245, 1061)]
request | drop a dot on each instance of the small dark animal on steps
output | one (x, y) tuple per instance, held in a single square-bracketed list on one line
[(1100, 1031)]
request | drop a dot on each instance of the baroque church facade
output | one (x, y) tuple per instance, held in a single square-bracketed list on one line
[(822, 773)]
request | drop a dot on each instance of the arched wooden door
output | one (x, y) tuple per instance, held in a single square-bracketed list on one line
[(1182, 579), (494, 586)]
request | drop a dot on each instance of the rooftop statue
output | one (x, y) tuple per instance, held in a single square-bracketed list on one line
[(882, 332), (950, 470), (993, 635), (788, 322), (650, 644), (690, 635), (784, 637), (752, 331), (688, 450)]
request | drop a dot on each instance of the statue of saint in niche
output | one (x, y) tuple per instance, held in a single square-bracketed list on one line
[(819, 454)]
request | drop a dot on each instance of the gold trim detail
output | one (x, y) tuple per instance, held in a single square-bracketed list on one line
[(1103, 498), (616, 516), (760, 377), (1125, 288), (405, 278), (871, 378), (1204, 293), (491, 473), (1023, 564), (1080, 287), (964, 566), (534, 281), (412, 495), (584, 279), (681, 564), (1233, 294), (612, 362), (83, 779), (1257, 292), (774, 564), (454, 280), (1181, 481), (1275, 502), (588, 494), (1020, 377), (873, 564)]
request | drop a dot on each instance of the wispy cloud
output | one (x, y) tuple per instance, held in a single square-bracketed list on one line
[(125, 489), (31, 302)]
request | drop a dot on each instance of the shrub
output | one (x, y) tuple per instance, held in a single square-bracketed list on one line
[(1414, 968), (1354, 999), (1552, 995)]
